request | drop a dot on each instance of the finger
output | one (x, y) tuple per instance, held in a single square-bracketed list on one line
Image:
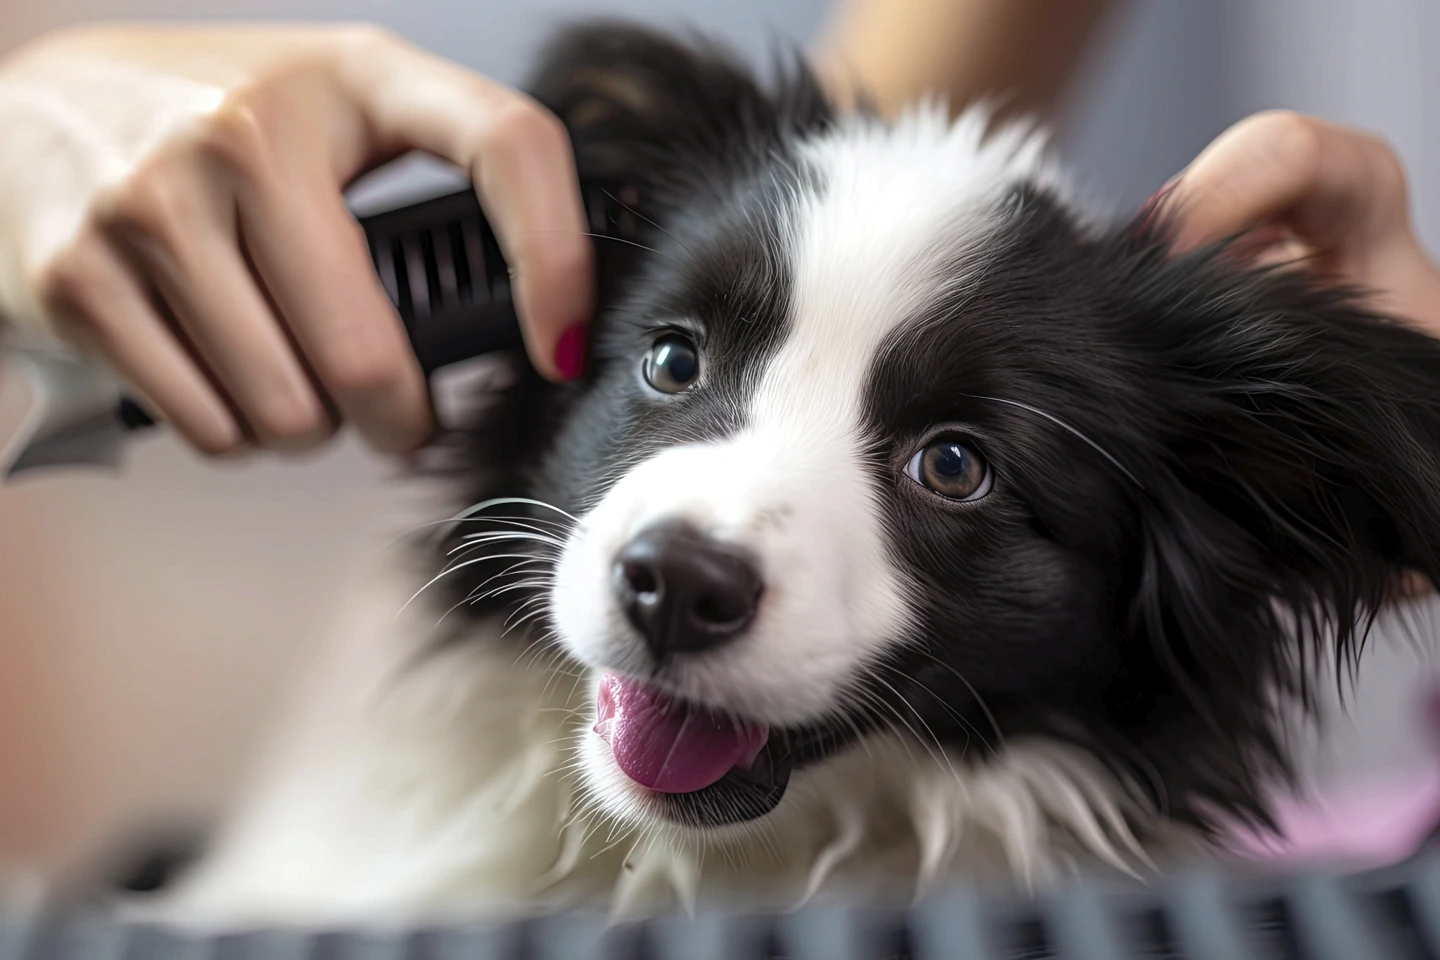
[(100, 305), (1328, 183), (520, 158), (528, 185), (214, 298), (315, 264)]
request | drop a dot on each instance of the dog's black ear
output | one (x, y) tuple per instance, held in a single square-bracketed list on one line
[(1293, 480), (658, 114), (1308, 422)]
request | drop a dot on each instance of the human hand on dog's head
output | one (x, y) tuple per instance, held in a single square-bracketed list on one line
[(171, 199), (1305, 188)]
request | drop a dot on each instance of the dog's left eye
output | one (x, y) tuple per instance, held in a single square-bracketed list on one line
[(952, 469), (672, 364)]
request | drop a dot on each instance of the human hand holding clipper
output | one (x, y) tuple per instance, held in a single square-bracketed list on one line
[(172, 200)]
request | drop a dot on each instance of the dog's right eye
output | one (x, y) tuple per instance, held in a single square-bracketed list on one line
[(951, 468), (672, 364)]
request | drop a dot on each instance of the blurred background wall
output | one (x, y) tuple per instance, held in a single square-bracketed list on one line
[(147, 622)]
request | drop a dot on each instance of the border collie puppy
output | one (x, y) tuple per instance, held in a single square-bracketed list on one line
[(908, 526)]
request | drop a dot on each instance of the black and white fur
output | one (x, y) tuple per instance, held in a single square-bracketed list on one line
[(1201, 477)]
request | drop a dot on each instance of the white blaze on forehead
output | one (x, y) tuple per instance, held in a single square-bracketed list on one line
[(889, 206)]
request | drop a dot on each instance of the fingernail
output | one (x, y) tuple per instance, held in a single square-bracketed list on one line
[(570, 352), (1261, 246)]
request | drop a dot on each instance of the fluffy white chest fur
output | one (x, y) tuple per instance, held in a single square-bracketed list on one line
[(404, 787)]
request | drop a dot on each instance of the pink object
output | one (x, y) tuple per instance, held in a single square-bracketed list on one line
[(669, 746), (1362, 825), (570, 352)]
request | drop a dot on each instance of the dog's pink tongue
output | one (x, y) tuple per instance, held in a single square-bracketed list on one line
[(669, 746)]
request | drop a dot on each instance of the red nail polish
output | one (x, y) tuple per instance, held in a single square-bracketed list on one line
[(570, 352)]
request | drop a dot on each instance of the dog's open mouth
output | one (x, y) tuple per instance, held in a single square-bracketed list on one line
[(670, 746), (709, 766)]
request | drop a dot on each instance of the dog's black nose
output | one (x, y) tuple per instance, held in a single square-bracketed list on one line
[(684, 591)]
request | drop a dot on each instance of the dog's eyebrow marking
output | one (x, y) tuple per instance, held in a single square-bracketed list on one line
[(1065, 426)]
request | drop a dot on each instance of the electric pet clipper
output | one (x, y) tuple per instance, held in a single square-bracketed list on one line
[(438, 260)]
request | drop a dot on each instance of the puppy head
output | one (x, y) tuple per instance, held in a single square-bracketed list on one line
[(877, 435)]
